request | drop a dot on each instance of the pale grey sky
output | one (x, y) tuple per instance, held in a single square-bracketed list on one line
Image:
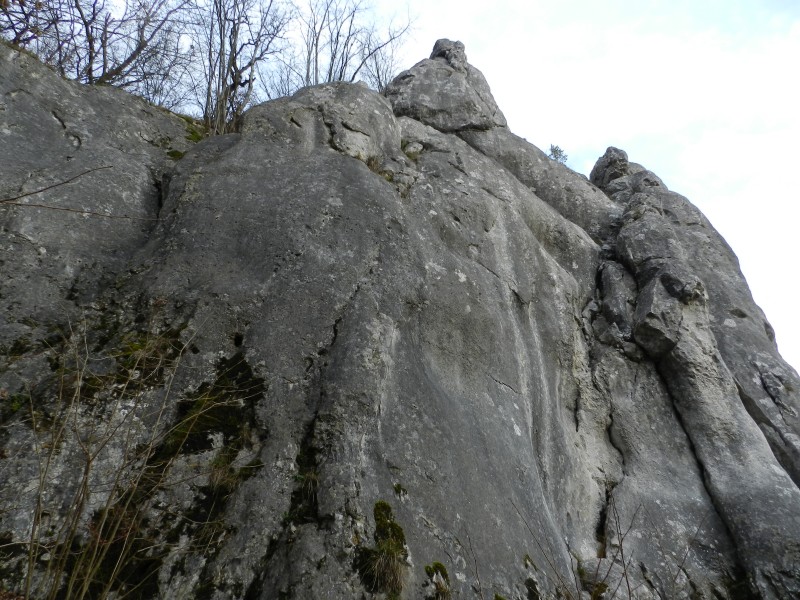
[(704, 93)]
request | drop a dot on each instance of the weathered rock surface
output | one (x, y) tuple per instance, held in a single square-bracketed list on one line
[(446, 92), (373, 346), (100, 154)]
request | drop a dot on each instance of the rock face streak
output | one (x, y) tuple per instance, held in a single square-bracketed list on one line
[(372, 346)]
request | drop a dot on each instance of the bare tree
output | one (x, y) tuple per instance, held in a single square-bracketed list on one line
[(381, 65), (209, 57), (91, 40), (337, 40), (234, 38), (22, 23), (164, 72)]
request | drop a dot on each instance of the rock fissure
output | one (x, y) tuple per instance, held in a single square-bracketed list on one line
[(774, 396), (59, 119), (504, 385), (701, 470), (776, 430), (489, 269)]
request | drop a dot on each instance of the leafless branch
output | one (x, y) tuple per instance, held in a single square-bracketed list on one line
[(12, 199)]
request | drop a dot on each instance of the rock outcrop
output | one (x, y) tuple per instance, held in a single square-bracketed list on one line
[(372, 346)]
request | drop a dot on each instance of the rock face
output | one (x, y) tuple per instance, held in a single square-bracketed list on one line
[(372, 347)]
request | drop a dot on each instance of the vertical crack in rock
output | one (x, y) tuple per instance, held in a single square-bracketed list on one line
[(785, 445), (504, 385), (285, 568), (601, 534), (702, 472), (59, 119), (159, 197)]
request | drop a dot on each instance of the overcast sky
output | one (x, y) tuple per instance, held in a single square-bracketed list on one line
[(704, 93)]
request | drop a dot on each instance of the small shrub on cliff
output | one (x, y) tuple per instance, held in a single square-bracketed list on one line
[(381, 567), (440, 580), (557, 154), (111, 412)]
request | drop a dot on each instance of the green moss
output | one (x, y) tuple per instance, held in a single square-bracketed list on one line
[(225, 406), (387, 530), (439, 579), (381, 567), (499, 597), (435, 568), (195, 131), (28, 407), (124, 366), (527, 561), (598, 590), (138, 361), (533, 589), (204, 523), (11, 404), (120, 553), (19, 347), (148, 354), (175, 154)]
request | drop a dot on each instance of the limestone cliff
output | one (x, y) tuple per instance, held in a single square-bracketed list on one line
[(372, 346)]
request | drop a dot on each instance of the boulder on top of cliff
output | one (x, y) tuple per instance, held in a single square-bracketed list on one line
[(445, 92)]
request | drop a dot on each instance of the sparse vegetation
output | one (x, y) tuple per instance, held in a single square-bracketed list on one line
[(214, 58), (614, 579), (439, 580), (109, 540), (557, 154), (400, 491), (195, 130), (381, 568)]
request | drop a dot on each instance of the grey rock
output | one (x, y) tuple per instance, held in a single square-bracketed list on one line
[(673, 325), (617, 287), (569, 193), (360, 306), (445, 92), (657, 320), (79, 185), (453, 52), (609, 167)]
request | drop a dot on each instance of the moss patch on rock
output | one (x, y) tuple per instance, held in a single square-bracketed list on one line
[(381, 567)]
